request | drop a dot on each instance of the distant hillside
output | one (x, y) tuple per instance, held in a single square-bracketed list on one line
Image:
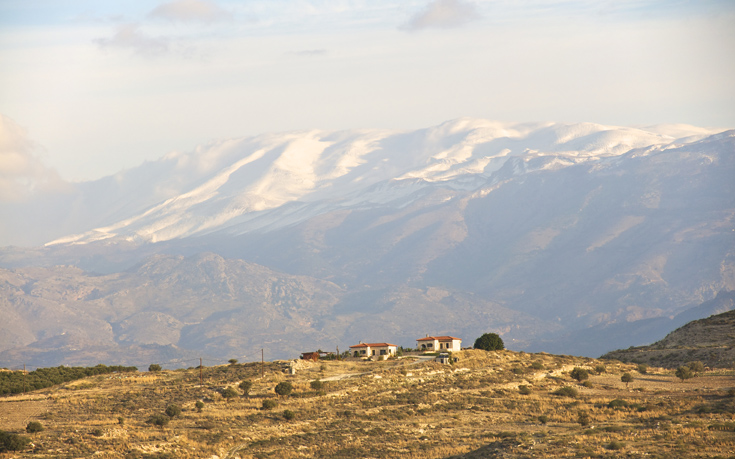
[(711, 340)]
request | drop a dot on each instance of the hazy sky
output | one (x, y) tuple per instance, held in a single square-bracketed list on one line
[(89, 87)]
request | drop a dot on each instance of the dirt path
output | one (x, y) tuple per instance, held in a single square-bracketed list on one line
[(15, 414)]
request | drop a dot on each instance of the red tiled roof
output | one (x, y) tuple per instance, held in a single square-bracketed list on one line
[(440, 338), (372, 345)]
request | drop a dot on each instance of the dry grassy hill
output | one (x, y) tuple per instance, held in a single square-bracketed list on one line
[(488, 404), (710, 340)]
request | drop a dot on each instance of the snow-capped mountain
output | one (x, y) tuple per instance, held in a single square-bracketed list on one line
[(571, 238)]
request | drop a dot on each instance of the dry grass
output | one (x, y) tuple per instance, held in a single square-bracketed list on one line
[(392, 409)]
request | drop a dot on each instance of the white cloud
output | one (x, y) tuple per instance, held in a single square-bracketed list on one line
[(129, 36), (190, 11), (21, 172), (443, 14)]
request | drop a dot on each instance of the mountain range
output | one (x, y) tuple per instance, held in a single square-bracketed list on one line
[(566, 238)]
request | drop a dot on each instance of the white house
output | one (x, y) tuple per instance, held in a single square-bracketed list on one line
[(381, 350), (439, 343)]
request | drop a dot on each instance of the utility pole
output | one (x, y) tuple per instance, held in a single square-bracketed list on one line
[(24, 378), (262, 363), (201, 376), (338, 353)]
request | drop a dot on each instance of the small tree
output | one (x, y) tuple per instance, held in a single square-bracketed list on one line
[(33, 427), (284, 388), (580, 374), (599, 369), (316, 385), (245, 386), (229, 393), (490, 342), (696, 367), (288, 415), (684, 373), (626, 378), (583, 418), (13, 442), (173, 410), (199, 405), (232, 361), (154, 367)]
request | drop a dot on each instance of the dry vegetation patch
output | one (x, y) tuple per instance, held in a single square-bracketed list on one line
[(489, 404)]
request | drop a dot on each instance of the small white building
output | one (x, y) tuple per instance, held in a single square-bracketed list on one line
[(379, 350), (439, 343)]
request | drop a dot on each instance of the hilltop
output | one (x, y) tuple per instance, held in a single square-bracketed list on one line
[(710, 340), (487, 404)]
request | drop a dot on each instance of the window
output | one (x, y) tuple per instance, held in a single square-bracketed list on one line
[(382, 352)]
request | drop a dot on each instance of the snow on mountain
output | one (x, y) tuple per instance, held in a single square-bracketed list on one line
[(274, 180)]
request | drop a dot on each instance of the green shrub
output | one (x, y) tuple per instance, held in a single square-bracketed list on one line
[(489, 342), (172, 411), (566, 391), (684, 373), (626, 378), (199, 405), (13, 442), (232, 361), (159, 420), (615, 445), (269, 404), (524, 390), (121, 420), (284, 388), (617, 403), (588, 384), (229, 393), (580, 374), (537, 365), (599, 369), (245, 386), (316, 385), (543, 419), (696, 366), (97, 432), (154, 367), (288, 415), (642, 368), (583, 418), (33, 427)]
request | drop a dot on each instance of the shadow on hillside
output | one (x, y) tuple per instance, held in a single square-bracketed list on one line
[(496, 449)]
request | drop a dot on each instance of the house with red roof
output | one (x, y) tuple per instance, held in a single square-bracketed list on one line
[(376, 350), (439, 343)]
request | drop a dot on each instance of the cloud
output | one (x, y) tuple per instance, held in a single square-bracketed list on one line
[(21, 172), (309, 52), (130, 36), (190, 11), (443, 14)]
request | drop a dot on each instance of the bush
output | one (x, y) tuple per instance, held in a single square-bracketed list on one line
[(13, 442), (684, 373), (626, 378), (588, 384), (696, 366), (524, 390), (245, 386), (229, 393), (199, 405), (543, 419), (583, 418), (232, 361), (537, 365), (172, 411), (284, 388), (154, 367), (566, 391), (121, 420), (288, 415), (580, 374), (615, 445), (159, 420), (642, 368), (489, 342), (316, 385), (34, 426), (617, 403), (269, 404), (599, 369)]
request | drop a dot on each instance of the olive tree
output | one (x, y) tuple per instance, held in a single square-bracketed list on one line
[(489, 342)]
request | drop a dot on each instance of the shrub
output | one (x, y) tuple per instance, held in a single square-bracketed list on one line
[(543, 419), (154, 367), (316, 385), (524, 390), (199, 405), (537, 365), (34, 426), (172, 411), (159, 420), (566, 391), (229, 393), (284, 388), (684, 373), (642, 368), (269, 404), (615, 445), (489, 342), (588, 384), (617, 403), (245, 386), (599, 369), (121, 420), (580, 374), (517, 370), (288, 415), (12, 442), (97, 432), (696, 366), (626, 378), (583, 418), (232, 361)]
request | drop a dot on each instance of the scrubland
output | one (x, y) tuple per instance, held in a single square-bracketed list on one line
[(485, 405)]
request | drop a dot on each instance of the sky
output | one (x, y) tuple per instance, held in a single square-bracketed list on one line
[(90, 87)]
